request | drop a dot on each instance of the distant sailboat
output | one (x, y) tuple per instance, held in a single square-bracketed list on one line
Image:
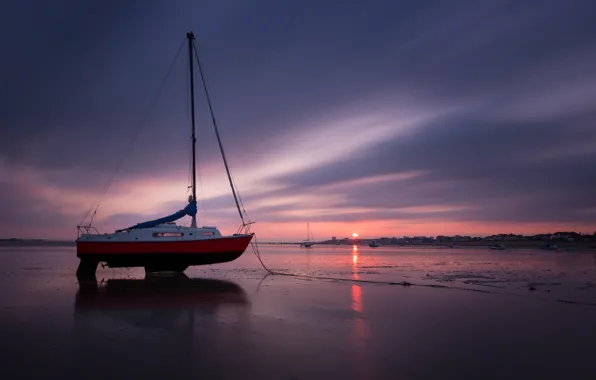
[(309, 239), (161, 245), (549, 247), (497, 247), (373, 244)]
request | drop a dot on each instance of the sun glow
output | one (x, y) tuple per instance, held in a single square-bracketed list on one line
[(355, 235)]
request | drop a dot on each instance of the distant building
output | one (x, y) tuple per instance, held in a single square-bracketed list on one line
[(333, 238)]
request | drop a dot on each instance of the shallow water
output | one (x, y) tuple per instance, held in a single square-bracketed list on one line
[(558, 276), (230, 321)]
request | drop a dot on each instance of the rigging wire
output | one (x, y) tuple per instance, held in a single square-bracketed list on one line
[(223, 155), (137, 131), (239, 197), (235, 193)]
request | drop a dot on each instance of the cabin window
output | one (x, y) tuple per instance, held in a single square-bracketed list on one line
[(208, 233), (168, 234)]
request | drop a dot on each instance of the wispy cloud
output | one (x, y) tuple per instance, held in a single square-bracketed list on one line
[(408, 118)]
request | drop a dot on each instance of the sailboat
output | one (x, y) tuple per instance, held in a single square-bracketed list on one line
[(497, 247), (309, 239), (160, 244)]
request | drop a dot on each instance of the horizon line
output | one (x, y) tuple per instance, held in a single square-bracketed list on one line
[(343, 238)]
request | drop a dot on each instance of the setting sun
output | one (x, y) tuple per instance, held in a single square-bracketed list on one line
[(354, 234)]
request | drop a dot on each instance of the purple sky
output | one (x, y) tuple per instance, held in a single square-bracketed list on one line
[(385, 118)]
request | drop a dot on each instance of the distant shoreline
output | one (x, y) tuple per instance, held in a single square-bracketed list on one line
[(563, 245), (590, 245), (35, 243)]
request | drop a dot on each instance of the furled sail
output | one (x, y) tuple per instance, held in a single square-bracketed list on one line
[(190, 210)]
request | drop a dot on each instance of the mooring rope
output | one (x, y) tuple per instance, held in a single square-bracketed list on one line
[(255, 247)]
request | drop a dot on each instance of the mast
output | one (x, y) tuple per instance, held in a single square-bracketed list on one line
[(191, 37)]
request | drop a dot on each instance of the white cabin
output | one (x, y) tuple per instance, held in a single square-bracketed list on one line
[(161, 232)]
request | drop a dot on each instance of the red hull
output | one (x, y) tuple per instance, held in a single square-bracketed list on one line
[(223, 245), (160, 255)]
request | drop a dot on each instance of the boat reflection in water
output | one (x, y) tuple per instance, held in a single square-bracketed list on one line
[(163, 302), (138, 328)]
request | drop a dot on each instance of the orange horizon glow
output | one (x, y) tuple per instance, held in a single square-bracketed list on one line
[(292, 231), (153, 198)]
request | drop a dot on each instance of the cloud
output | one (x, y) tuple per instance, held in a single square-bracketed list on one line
[(429, 114), (481, 171)]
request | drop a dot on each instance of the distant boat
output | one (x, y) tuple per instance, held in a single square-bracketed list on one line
[(549, 247), (309, 239), (374, 244), (161, 245), (498, 247)]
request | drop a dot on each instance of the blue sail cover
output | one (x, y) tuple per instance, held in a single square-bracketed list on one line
[(190, 210)]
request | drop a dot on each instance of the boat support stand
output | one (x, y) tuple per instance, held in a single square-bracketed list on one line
[(87, 268)]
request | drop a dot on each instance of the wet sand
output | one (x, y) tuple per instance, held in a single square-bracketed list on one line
[(469, 314)]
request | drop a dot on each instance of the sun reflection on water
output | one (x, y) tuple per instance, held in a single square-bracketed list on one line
[(355, 256)]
